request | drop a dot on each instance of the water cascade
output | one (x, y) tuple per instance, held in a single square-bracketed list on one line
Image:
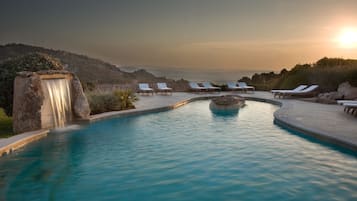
[(59, 94), (48, 99)]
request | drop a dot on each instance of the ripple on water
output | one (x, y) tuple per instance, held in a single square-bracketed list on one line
[(185, 154)]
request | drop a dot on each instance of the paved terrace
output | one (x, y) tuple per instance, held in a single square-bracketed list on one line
[(326, 122)]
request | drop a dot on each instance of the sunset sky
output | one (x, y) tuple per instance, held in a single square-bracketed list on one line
[(226, 34)]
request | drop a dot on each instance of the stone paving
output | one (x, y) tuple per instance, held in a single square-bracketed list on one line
[(326, 122)]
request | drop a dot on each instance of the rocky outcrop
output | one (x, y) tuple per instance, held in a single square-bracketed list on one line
[(224, 104), (347, 91), (329, 98), (80, 103), (32, 108), (344, 91), (28, 100)]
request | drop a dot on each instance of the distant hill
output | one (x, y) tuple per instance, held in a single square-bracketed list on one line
[(328, 73), (86, 68), (93, 73)]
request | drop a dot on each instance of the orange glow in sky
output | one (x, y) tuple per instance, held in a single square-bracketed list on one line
[(348, 38), (200, 34)]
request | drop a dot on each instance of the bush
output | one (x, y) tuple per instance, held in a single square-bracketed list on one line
[(88, 86), (32, 62), (5, 125), (126, 97), (328, 73), (100, 102)]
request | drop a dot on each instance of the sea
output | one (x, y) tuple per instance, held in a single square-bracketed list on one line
[(197, 75)]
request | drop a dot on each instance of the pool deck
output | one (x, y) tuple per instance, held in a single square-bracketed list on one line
[(326, 122)]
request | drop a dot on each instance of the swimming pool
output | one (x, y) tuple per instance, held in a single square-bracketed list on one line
[(184, 154)]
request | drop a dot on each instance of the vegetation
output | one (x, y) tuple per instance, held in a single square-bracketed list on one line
[(126, 97), (5, 125), (9, 69), (88, 86), (328, 73), (91, 72), (100, 102), (87, 69)]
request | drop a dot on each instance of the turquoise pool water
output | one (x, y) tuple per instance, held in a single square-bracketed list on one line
[(184, 154)]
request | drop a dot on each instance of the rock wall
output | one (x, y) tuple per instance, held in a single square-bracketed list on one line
[(28, 100), (347, 91), (344, 92), (80, 103), (30, 107)]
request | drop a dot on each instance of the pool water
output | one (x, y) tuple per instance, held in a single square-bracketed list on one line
[(185, 154)]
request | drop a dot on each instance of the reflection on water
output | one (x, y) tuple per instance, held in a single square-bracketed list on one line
[(67, 128), (224, 113)]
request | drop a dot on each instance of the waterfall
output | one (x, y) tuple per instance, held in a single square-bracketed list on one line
[(59, 94)]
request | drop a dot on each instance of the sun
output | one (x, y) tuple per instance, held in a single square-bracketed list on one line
[(348, 38)]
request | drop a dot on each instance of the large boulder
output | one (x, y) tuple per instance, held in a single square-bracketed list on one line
[(329, 98), (347, 91), (344, 91), (28, 100), (226, 104), (80, 103)]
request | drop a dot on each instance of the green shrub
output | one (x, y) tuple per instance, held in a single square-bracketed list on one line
[(100, 102), (5, 125), (88, 86), (8, 69), (126, 97), (328, 73)]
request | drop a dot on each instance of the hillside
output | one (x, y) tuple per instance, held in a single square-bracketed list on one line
[(29, 62), (328, 73), (86, 68), (93, 73)]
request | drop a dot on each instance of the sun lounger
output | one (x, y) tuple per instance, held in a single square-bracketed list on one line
[(144, 88), (209, 86), (245, 87), (277, 91), (351, 108), (162, 87), (308, 91), (195, 87), (233, 86), (342, 102), (299, 88)]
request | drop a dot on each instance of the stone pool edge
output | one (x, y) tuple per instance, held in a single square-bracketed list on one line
[(281, 120), (8, 145), (312, 132)]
